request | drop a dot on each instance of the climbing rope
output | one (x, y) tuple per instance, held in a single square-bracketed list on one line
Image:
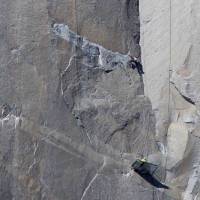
[(170, 59), (169, 76)]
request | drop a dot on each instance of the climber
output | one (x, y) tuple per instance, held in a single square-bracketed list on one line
[(5, 110), (146, 170), (134, 63)]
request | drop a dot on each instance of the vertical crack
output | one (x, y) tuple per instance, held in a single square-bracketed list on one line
[(122, 127), (188, 99)]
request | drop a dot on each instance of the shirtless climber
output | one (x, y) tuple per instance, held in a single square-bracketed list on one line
[(134, 63)]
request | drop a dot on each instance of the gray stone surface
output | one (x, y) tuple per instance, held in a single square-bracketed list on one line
[(76, 115), (179, 77)]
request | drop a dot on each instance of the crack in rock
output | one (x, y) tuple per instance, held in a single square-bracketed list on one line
[(93, 179), (121, 128), (35, 162), (89, 185), (63, 73), (189, 100)]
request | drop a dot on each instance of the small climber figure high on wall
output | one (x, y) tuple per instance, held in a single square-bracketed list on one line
[(135, 63)]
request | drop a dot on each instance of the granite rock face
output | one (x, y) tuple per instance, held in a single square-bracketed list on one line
[(170, 53), (73, 113)]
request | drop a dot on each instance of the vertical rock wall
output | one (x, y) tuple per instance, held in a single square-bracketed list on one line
[(73, 113), (174, 88)]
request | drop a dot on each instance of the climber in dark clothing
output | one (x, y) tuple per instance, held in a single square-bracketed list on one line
[(5, 110), (134, 63), (146, 170)]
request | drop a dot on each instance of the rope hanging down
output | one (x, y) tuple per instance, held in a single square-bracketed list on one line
[(170, 58), (169, 74)]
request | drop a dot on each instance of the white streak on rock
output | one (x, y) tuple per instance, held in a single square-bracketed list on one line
[(93, 179), (89, 185), (107, 59)]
